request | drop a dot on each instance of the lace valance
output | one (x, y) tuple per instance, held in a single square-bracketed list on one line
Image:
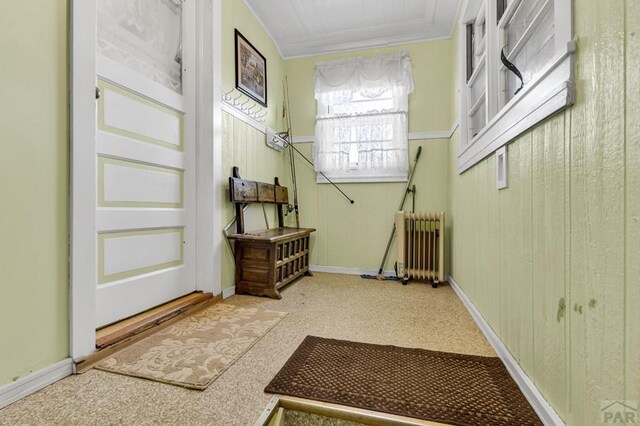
[(336, 82)]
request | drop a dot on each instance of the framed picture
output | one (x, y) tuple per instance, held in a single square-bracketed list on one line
[(251, 70)]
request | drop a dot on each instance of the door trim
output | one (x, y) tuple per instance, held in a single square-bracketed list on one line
[(83, 192)]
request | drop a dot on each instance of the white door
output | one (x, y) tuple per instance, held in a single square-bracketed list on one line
[(145, 164)]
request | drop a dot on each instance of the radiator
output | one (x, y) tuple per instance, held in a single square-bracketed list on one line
[(420, 246)]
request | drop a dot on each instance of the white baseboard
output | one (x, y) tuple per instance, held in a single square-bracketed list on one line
[(544, 410), (35, 381), (347, 271), (228, 292)]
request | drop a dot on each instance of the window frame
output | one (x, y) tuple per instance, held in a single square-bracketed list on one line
[(551, 89), (399, 103)]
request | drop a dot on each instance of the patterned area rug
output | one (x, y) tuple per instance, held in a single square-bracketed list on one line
[(197, 350), (438, 386)]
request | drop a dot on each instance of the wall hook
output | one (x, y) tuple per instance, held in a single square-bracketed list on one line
[(236, 98)]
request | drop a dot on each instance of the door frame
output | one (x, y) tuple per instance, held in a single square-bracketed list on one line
[(83, 193)]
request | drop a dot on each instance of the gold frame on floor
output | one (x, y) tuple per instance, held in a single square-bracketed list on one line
[(273, 415)]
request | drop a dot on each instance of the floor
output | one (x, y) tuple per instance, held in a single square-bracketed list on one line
[(326, 305)]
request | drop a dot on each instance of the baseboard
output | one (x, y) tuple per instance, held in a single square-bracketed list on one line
[(35, 381), (544, 410), (347, 271), (228, 292)]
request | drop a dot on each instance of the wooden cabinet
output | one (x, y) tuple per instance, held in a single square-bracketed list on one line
[(270, 259)]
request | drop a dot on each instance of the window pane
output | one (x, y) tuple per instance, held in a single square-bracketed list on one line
[(145, 36), (478, 120), (365, 145), (521, 20), (501, 5), (479, 86), (538, 50), (469, 51)]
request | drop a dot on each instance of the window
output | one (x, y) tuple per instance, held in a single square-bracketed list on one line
[(361, 127), (144, 36), (477, 72), (517, 69)]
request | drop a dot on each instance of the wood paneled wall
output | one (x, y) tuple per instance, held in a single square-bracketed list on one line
[(566, 229)]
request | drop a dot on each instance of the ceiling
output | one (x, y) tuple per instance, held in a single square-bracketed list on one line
[(312, 27)]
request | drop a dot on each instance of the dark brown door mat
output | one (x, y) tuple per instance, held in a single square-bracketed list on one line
[(439, 386)]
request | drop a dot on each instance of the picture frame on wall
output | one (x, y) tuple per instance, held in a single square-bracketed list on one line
[(251, 70)]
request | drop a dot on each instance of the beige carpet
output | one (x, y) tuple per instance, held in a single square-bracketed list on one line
[(332, 306), (195, 351)]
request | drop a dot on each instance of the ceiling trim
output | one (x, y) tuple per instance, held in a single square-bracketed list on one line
[(377, 46), (264, 27)]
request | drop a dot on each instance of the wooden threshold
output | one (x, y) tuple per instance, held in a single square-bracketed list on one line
[(126, 328), (120, 335)]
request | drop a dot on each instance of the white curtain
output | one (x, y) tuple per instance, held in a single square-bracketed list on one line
[(145, 36), (366, 146), (364, 133)]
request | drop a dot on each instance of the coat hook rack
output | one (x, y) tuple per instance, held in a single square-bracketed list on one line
[(253, 111)]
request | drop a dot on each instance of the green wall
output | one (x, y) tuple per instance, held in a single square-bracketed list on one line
[(235, 14), (355, 236), (34, 174), (568, 226), (242, 145)]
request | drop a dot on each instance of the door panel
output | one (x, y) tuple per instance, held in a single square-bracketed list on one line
[(128, 254), (130, 184), (118, 300), (122, 112)]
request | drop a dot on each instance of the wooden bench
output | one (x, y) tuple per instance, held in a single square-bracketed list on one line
[(268, 259)]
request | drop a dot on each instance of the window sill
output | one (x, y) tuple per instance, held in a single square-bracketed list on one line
[(361, 179), (550, 93)]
